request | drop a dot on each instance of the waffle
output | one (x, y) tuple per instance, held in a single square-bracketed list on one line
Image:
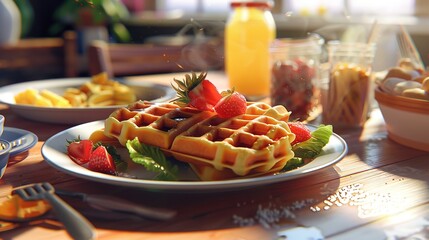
[(255, 143), (153, 124)]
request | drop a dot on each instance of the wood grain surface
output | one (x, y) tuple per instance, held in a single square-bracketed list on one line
[(380, 190)]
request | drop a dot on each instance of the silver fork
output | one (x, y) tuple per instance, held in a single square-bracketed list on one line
[(408, 49), (77, 226)]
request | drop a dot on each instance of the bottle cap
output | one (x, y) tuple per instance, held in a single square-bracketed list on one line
[(253, 3)]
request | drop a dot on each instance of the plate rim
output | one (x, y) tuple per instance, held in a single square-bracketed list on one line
[(25, 146), (73, 115), (220, 185), (64, 82)]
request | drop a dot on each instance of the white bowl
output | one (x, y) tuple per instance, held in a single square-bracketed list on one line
[(407, 119)]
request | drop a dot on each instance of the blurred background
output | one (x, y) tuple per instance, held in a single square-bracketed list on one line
[(172, 22)]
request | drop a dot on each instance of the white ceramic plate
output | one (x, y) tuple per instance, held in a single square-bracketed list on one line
[(144, 91), (27, 138), (54, 152)]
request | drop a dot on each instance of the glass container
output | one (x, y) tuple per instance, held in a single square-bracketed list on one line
[(249, 31), (295, 75), (346, 93)]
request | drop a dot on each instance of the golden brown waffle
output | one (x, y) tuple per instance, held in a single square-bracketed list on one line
[(154, 124), (246, 145), (255, 143), (258, 108)]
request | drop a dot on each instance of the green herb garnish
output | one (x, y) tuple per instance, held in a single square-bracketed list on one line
[(309, 149), (313, 146), (120, 164), (293, 163), (153, 159)]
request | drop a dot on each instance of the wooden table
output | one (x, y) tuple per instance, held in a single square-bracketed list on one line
[(379, 190)]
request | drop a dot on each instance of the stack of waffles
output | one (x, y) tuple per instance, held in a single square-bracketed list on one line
[(252, 144)]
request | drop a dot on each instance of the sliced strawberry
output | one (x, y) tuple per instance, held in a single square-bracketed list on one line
[(196, 91), (101, 161), (301, 132), (231, 105), (80, 151), (204, 96), (201, 104)]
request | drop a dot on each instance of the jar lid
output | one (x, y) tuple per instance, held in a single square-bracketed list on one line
[(252, 3), (347, 48), (311, 44)]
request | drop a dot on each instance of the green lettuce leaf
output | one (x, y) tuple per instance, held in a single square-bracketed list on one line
[(293, 163), (153, 159), (313, 146)]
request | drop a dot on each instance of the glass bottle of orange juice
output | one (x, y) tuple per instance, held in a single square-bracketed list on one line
[(248, 34)]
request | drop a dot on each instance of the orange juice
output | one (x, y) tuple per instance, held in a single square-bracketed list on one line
[(248, 35)]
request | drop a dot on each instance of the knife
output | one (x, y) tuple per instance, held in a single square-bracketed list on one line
[(110, 203)]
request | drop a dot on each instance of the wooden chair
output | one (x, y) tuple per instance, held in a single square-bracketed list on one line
[(40, 57), (140, 59)]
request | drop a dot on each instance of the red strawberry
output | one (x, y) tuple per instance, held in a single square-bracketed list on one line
[(301, 132), (101, 161), (231, 105), (197, 92), (80, 151), (204, 91)]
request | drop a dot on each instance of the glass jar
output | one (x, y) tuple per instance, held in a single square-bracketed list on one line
[(249, 32), (346, 93), (295, 75)]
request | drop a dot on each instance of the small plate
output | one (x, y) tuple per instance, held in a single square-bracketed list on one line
[(28, 138), (54, 152), (144, 91)]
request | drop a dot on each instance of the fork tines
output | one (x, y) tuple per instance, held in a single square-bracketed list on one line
[(34, 191)]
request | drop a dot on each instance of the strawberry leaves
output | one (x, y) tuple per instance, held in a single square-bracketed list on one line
[(198, 92), (185, 86)]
